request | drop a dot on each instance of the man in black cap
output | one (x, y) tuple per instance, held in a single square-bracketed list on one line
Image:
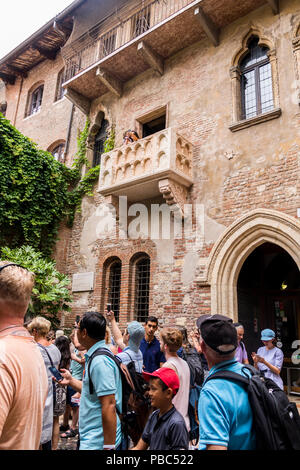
[(225, 414)]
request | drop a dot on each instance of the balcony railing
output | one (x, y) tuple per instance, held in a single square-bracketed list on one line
[(161, 156), (94, 46)]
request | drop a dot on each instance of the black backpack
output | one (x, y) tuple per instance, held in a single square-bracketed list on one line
[(193, 359), (276, 421), (135, 403), (194, 362)]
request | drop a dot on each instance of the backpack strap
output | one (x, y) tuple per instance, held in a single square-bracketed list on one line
[(125, 352), (100, 352), (45, 349), (228, 375)]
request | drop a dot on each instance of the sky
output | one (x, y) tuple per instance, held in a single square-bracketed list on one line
[(21, 18)]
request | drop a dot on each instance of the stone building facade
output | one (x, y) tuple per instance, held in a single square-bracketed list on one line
[(212, 88)]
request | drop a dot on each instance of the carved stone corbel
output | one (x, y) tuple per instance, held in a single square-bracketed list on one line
[(174, 194)]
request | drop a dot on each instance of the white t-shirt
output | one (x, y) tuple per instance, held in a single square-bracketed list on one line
[(181, 399)]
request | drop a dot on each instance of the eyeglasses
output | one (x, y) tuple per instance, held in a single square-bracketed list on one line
[(11, 264)]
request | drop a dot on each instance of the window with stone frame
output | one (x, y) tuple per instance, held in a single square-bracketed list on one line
[(58, 152), (142, 286), (114, 287), (256, 81), (35, 100), (99, 143), (60, 91)]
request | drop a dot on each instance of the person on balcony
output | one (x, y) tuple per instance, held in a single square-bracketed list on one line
[(130, 136)]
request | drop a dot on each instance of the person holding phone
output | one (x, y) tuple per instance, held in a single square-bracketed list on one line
[(269, 358)]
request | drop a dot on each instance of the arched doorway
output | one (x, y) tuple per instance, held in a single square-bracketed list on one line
[(268, 291)]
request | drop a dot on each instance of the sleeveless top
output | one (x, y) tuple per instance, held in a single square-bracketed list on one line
[(181, 399)]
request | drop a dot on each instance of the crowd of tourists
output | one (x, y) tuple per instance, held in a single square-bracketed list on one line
[(55, 387)]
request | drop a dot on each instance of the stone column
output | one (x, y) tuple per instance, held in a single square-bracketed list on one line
[(296, 50), (235, 76), (273, 62)]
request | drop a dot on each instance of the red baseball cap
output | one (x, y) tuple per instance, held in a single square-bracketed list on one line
[(168, 376)]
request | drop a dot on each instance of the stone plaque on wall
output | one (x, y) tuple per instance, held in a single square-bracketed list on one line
[(83, 282)]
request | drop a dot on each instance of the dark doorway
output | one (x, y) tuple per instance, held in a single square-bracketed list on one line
[(269, 297)]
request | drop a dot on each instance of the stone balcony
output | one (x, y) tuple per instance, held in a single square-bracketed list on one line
[(105, 58), (160, 164)]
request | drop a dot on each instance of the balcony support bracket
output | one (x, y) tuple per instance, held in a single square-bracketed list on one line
[(174, 194), (208, 26), (153, 59), (80, 101), (274, 4), (111, 82)]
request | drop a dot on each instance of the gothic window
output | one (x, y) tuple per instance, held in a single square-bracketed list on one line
[(99, 143), (58, 152), (256, 81), (60, 91), (114, 288), (35, 100), (142, 284)]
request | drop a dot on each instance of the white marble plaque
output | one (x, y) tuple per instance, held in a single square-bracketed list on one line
[(83, 282)]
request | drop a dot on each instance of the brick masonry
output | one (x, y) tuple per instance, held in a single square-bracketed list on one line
[(257, 167)]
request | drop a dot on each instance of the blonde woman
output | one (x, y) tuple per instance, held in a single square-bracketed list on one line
[(39, 329)]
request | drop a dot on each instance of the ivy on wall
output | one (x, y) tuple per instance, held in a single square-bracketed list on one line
[(36, 191)]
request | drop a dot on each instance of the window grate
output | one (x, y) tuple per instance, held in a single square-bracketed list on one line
[(142, 281), (115, 288)]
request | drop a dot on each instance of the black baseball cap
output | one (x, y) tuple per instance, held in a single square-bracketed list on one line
[(218, 333)]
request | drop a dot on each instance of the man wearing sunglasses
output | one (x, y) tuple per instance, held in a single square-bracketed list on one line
[(23, 378)]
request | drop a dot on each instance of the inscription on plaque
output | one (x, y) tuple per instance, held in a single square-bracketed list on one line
[(83, 282)]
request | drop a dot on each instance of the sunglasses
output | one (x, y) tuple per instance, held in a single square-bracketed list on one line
[(11, 264)]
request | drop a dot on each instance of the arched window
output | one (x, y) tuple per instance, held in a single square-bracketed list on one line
[(99, 143), (142, 284), (256, 81), (58, 152), (60, 91), (35, 100), (114, 287)]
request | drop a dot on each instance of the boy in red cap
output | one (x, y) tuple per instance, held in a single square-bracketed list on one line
[(165, 429)]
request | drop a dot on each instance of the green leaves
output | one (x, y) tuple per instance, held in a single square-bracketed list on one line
[(50, 295)]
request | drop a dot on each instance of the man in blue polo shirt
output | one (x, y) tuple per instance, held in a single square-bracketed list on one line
[(153, 358), (225, 416), (99, 424)]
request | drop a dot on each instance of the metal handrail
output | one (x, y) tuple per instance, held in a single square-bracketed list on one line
[(94, 46)]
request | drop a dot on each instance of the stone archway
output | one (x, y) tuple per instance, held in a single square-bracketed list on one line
[(236, 244)]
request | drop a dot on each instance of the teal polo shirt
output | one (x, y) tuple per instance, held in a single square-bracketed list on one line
[(225, 416), (107, 381)]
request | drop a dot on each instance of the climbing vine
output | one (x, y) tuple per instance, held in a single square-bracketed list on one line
[(36, 191)]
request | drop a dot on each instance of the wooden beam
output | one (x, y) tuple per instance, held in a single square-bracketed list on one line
[(16, 71), (57, 27), (80, 101), (155, 61), (111, 82), (8, 78), (51, 55), (208, 26), (274, 4)]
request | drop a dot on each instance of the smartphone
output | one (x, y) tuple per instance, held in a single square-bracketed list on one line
[(56, 373), (108, 307), (77, 319)]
